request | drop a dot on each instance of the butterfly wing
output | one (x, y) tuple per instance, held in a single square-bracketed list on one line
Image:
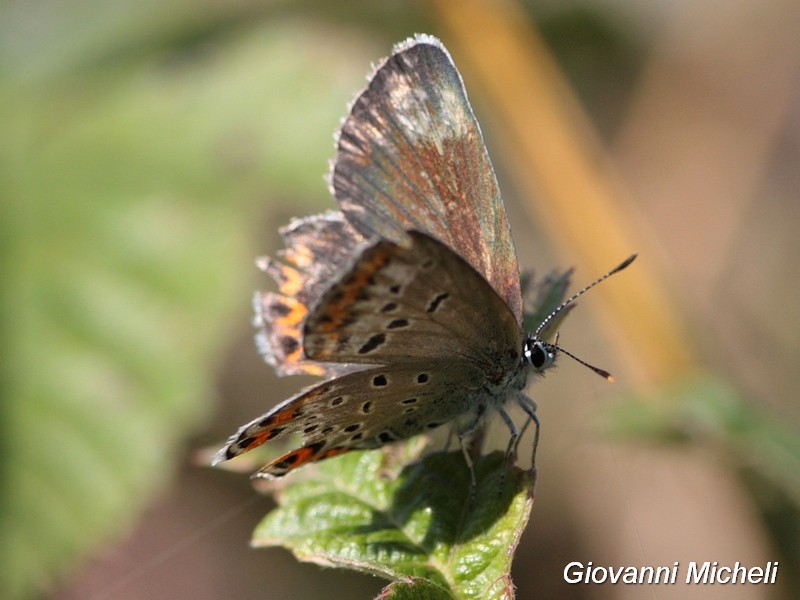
[(360, 410), (318, 248), (400, 303), (410, 155)]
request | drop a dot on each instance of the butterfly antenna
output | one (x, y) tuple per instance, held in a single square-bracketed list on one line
[(602, 372), (575, 296)]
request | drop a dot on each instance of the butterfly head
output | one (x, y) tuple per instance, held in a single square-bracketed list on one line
[(537, 354)]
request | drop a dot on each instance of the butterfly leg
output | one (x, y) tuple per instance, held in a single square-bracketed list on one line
[(451, 432), (529, 406), (511, 449), (522, 431), (464, 441), (470, 438)]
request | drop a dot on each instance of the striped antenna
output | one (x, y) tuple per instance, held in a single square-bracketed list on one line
[(554, 347), (579, 293), (602, 372)]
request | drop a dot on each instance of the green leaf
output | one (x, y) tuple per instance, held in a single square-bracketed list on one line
[(417, 589), (416, 525), (709, 411)]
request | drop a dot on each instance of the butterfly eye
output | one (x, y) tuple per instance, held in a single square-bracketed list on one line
[(537, 356)]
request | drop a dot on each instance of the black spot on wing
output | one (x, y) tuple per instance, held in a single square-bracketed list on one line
[(289, 344), (386, 437), (372, 343), (275, 432), (279, 309), (437, 301)]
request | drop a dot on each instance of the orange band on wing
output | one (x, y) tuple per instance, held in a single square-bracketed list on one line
[(343, 296), (297, 458)]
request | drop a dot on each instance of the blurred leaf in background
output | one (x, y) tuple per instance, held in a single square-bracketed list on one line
[(709, 413), (135, 152)]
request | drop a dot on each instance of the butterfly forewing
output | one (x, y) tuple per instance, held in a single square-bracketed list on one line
[(410, 155), (399, 303)]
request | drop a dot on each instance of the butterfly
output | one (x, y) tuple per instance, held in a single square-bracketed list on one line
[(407, 299)]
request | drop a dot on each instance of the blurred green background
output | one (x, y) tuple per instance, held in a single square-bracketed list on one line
[(151, 150)]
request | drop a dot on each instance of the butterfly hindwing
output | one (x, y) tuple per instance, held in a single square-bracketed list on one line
[(317, 249), (363, 409)]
